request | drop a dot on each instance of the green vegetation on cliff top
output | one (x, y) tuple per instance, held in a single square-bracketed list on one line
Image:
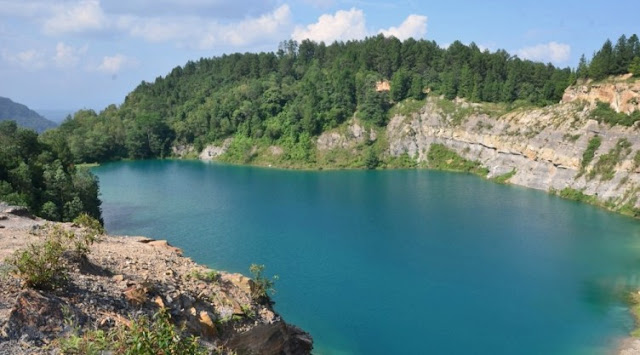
[(290, 96)]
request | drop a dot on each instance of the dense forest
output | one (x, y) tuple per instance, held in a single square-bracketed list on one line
[(288, 97), (32, 174), (622, 58)]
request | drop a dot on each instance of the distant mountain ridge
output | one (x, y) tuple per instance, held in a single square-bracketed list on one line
[(24, 116)]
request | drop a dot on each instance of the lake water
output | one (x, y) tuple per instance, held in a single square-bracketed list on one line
[(396, 262)]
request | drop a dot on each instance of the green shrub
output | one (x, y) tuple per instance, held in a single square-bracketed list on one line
[(92, 224), (576, 195), (45, 265), (262, 286), (145, 336), (41, 266), (604, 113), (504, 178), (371, 161), (209, 275), (590, 152), (443, 158), (403, 161), (607, 162)]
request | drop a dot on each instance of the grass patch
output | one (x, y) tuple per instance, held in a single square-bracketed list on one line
[(442, 158), (577, 195), (403, 161), (456, 113), (607, 162), (604, 113), (504, 178), (407, 107)]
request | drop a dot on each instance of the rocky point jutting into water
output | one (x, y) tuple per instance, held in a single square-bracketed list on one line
[(124, 278)]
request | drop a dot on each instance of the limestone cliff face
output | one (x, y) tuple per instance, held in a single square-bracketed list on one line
[(544, 146), (621, 95), (354, 134)]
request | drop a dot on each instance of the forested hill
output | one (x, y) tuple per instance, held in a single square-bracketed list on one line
[(23, 116), (288, 97)]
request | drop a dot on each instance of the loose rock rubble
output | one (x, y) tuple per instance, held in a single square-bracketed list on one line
[(124, 278)]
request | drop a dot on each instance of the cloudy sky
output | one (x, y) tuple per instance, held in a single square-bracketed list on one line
[(70, 54)]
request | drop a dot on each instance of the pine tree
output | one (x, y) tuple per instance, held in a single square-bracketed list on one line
[(583, 68), (602, 62)]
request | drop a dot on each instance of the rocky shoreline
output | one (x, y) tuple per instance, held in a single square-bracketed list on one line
[(540, 148), (124, 278)]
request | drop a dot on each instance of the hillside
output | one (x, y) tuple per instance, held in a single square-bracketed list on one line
[(23, 116), (288, 97), (580, 148), (382, 103)]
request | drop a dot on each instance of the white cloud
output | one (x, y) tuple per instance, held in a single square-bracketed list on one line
[(252, 29), (114, 64), (414, 26), (551, 52), (342, 26), (83, 16), (201, 33), (347, 25), (66, 56), (30, 59)]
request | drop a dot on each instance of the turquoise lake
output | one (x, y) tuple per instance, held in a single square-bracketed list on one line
[(396, 262)]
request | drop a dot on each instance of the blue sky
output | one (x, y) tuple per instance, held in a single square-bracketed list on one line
[(70, 54)]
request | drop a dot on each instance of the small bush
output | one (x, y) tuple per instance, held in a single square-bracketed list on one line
[(45, 265), (590, 152), (576, 195), (92, 224), (209, 275), (262, 286), (604, 113), (443, 158), (504, 178), (41, 266), (607, 162), (371, 161), (145, 336)]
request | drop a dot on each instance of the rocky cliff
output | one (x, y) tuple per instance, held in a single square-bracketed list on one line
[(124, 278), (621, 93), (558, 148), (544, 148)]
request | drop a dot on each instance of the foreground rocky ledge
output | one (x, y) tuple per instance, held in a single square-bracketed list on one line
[(126, 277)]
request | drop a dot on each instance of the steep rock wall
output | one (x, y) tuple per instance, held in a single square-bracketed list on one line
[(544, 146), (621, 95)]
